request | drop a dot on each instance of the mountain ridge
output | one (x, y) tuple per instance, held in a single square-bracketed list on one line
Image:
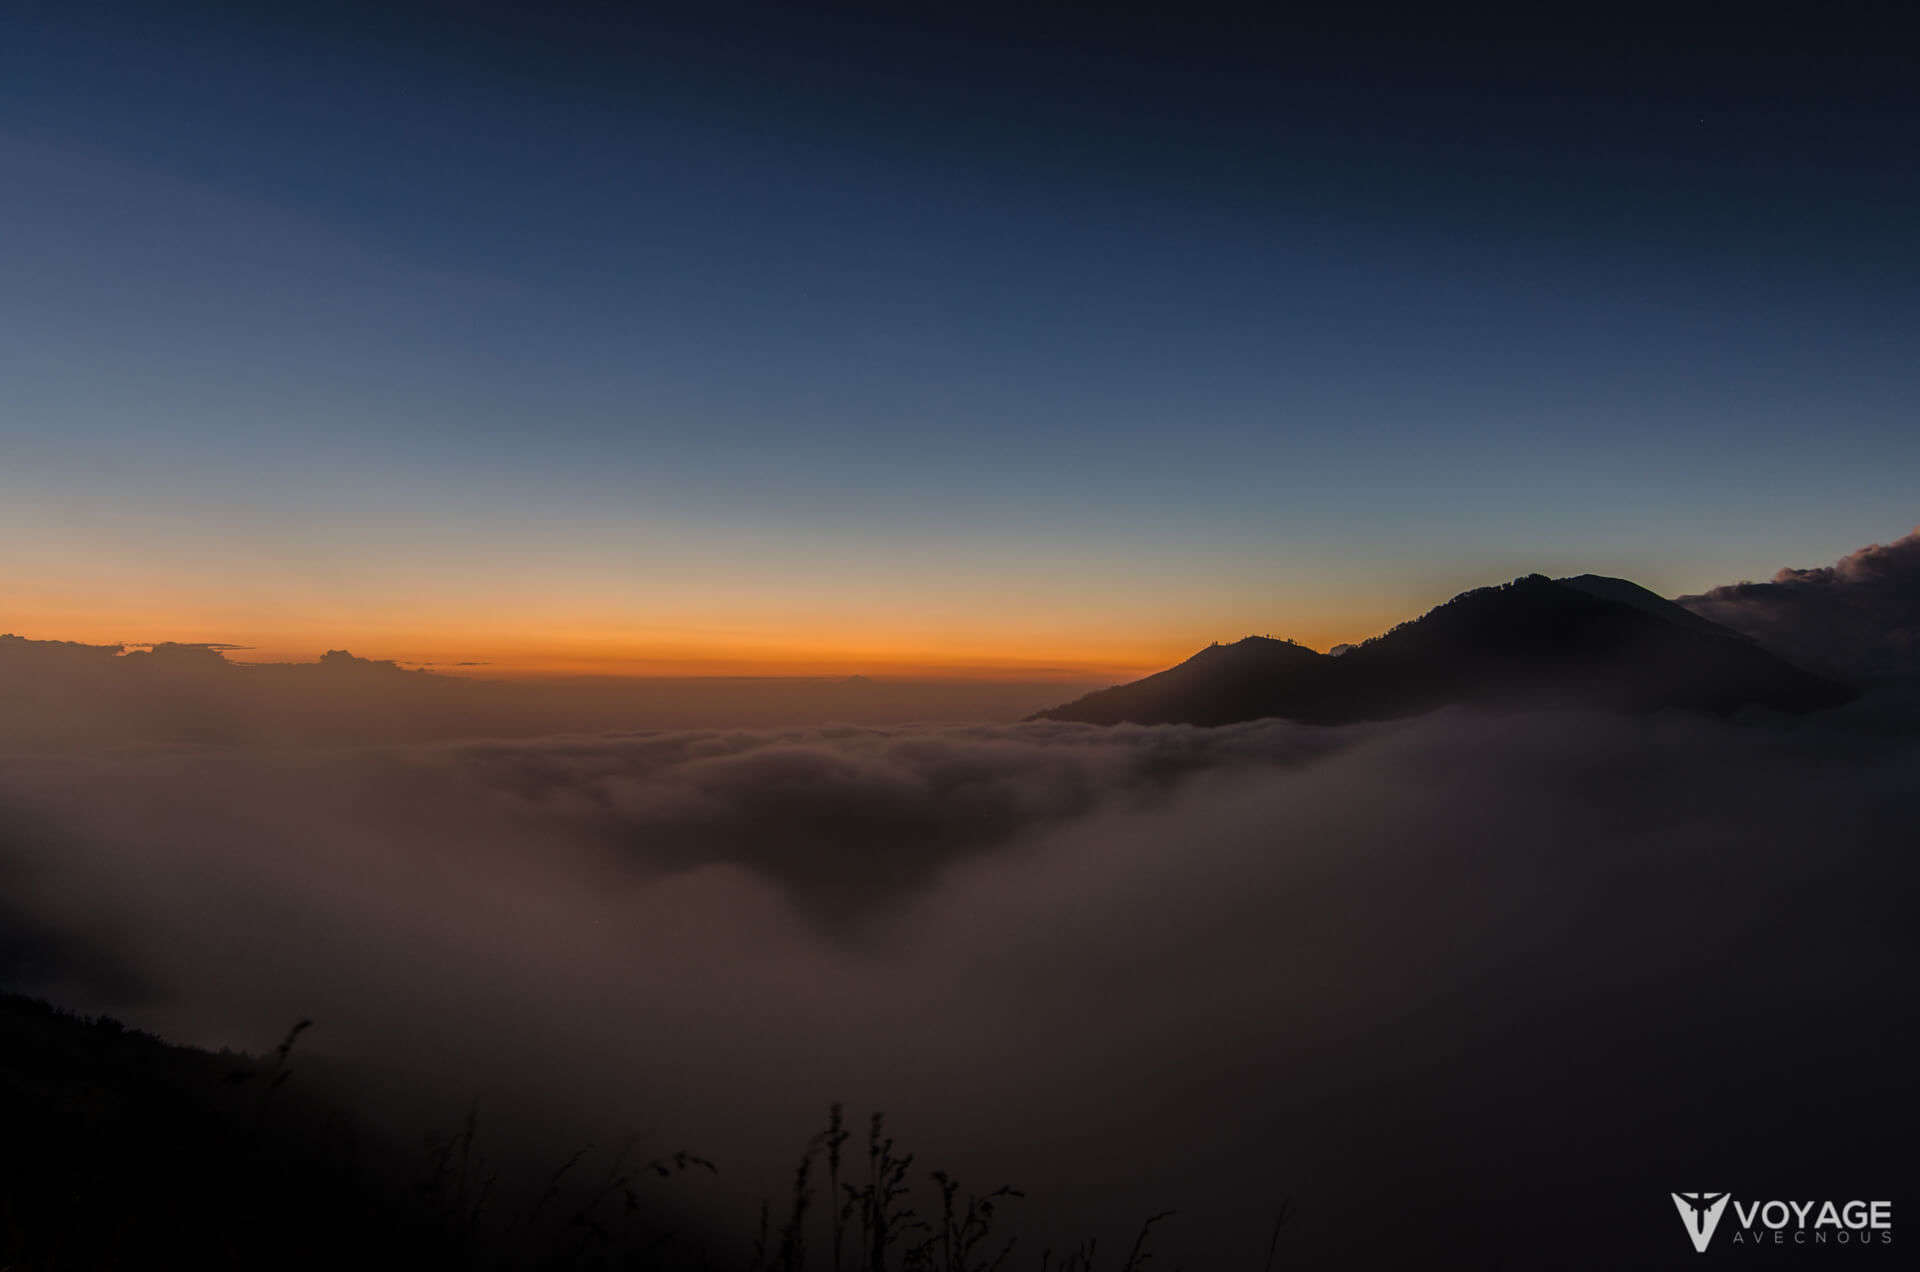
[(1588, 641)]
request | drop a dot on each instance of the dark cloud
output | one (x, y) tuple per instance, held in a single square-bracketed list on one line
[(1859, 617), (21, 651), (217, 646), (847, 818)]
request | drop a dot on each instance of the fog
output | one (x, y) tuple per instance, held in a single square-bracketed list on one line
[(1460, 986)]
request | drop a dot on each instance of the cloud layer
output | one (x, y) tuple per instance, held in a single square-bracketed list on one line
[(1463, 987), (60, 694)]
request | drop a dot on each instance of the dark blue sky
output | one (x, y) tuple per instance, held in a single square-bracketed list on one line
[(981, 331)]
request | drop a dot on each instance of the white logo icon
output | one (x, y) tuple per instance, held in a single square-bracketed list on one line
[(1701, 1212)]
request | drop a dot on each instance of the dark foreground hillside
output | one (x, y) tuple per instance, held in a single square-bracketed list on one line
[(125, 1152)]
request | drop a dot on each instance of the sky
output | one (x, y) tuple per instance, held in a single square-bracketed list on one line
[(986, 342)]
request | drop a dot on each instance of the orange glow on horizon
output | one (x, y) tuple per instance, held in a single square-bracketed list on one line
[(613, 652), (946, 618)]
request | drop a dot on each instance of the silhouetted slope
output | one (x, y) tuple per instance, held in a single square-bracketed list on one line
[(1627, 592), (123, 1151), (1590, 642), (1246, 680), (1536, 641)]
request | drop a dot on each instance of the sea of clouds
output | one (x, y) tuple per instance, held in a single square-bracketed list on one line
[(1450, 984)]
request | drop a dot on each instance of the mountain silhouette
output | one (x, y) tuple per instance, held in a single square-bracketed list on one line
[(1588, 641), (1629, 593)]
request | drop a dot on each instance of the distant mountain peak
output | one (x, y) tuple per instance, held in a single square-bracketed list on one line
[(1627, 592), (1590, 641)]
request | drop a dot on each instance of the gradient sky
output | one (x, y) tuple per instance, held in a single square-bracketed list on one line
[(990, 341)]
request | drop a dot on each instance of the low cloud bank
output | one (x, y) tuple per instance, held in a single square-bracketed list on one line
[(64, 695), (1463, 987)]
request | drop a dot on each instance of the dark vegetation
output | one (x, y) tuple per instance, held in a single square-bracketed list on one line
[(123, 1151), (1586, 642)]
